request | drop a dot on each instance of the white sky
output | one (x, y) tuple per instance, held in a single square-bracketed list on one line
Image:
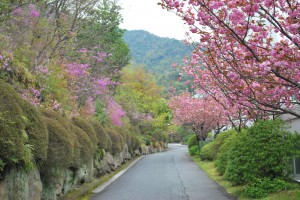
[(147, 15)]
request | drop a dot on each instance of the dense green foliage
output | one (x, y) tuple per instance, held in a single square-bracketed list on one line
[(61, 143), (211, 150), (103, 138), (194, 150), (258, 156), (192, 141), (207, 152), (87, 128), (157, 55), (265, 150), (116, 139), (262, 187), (221, 160), (23, 135)]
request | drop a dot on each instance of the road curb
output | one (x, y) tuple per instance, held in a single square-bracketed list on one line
[(111, 180)]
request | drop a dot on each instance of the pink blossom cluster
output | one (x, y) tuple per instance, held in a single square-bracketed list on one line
[(77, 70), (115, 112), (100, 56), (32, 95), (198, 110), (248, 54), (101, 85), (42, 70), (4, 61), (31, 11)]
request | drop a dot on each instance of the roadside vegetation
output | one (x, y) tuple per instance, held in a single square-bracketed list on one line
[(252, 163)]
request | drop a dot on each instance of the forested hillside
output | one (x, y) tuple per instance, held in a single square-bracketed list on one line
[(157, 55)]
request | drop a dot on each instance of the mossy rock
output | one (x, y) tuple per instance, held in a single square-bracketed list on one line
[(104, 141), (85, 147), (116, 139), (61, 145), (87, 128)]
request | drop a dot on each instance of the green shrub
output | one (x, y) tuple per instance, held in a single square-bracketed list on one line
[(147, 140), (87, 128), (15, 146), (221, 160), (64, 122), (194, 150), (85, 149), (99, 155), (265, 150), (117, 141), (219, 141), (61, 143), (37, 131), (262, 187), (135, 143), (207, 152), (210, 149), (192, 141), (103, 138)]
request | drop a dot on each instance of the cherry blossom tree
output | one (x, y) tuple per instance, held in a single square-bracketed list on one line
[(202, 113), (248, 52)]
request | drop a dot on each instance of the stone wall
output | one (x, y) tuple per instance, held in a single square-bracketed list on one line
[(18, 184)]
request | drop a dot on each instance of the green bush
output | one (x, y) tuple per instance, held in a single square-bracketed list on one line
[(147, 140), (87, 128), (61, 142), (192, 141), (262, 187), (103, 138), (37, 131), (85, 149), (207, 152), (117, 141), (265, 150), (219, 141), (64, 122), (135, 143), (23, 135), (210, 149), (194, 150), (221, 160)]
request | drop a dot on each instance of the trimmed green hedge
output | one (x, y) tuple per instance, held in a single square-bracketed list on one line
[(221, 160), (116, 139), (61, 145), (103, 138), (87, 128), (192, 141), (210, 150), (23, 135), (36, 130), (85, 147)]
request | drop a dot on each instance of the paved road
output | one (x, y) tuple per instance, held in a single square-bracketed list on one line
[(170, 175)]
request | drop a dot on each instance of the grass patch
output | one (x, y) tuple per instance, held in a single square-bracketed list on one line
[(237, 191), (84, 192)]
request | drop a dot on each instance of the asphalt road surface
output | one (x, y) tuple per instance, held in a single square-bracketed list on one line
[(169, 175)]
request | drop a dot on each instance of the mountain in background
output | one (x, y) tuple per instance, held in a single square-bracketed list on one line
[(157, 54)]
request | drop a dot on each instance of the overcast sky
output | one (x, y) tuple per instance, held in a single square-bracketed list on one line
[(147, 15)]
